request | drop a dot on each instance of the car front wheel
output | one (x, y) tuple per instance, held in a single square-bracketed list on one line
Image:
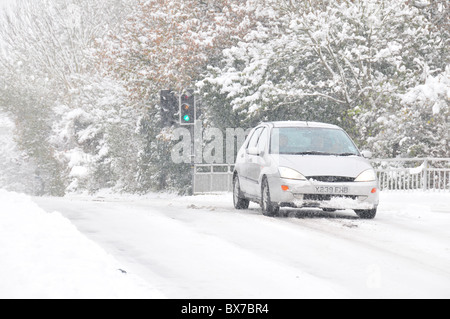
[(238, 199), (268, 208)]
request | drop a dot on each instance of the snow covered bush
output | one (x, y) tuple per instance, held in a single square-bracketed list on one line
[(420, 126), (97, 138), (17, 173)]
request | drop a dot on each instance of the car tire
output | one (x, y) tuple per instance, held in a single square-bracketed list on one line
[(267, 206), (239, 201), (366, 214)]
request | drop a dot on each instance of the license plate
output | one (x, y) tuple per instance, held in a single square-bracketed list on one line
[(331, 189)]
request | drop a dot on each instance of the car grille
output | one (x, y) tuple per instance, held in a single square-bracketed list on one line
[(324, 197), (332, 179)]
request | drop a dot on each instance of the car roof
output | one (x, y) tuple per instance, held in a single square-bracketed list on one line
[(301, 124)]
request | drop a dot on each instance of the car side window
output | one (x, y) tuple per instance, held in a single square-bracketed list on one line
[(262, 142), (255, 137)]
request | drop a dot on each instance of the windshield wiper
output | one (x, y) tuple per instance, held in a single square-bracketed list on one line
[(346, 154), (313, 153), (319, 153)]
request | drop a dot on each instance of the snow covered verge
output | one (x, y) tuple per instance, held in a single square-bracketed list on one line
[(44, 256)]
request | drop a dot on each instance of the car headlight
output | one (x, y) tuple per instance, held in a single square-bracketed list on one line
[(290, 173), (367, 176)]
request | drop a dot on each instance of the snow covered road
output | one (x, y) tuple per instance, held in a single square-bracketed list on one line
[(200, 247)]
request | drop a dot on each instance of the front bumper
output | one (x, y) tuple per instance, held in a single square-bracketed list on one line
[(310, 193)]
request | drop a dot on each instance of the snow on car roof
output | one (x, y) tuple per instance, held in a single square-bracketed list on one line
[(301, 124)]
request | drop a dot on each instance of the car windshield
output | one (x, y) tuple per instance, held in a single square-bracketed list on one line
[(311, 141)]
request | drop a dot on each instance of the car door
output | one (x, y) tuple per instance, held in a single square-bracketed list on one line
[(256, 162), (246, 180)]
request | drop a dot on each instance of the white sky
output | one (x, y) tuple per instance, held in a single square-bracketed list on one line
[(4, 2)]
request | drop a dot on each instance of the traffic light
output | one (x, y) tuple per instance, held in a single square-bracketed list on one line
[(187, 108), (168, 107)]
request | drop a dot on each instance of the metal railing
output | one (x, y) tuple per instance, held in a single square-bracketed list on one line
[(393, 174), (210, 178), (413, 173)]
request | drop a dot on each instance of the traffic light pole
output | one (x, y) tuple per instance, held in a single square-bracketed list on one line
[(187, 110), (188, 116)]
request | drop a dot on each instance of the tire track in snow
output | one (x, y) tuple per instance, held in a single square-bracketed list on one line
[(372, 250), (245, 254)]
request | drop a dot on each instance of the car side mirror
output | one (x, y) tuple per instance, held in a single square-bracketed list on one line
[(366, 154), (253, 151)]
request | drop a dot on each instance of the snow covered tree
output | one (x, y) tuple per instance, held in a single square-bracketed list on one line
[(328, 61), (50, 73), (420, 126), (423, 52), (27, 101), (435, 11), (166, 45), (81, 78)]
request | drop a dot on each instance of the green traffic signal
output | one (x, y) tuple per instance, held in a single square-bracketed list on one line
[(187, 108)]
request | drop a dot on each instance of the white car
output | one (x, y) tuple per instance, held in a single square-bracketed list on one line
[(304, 164)]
